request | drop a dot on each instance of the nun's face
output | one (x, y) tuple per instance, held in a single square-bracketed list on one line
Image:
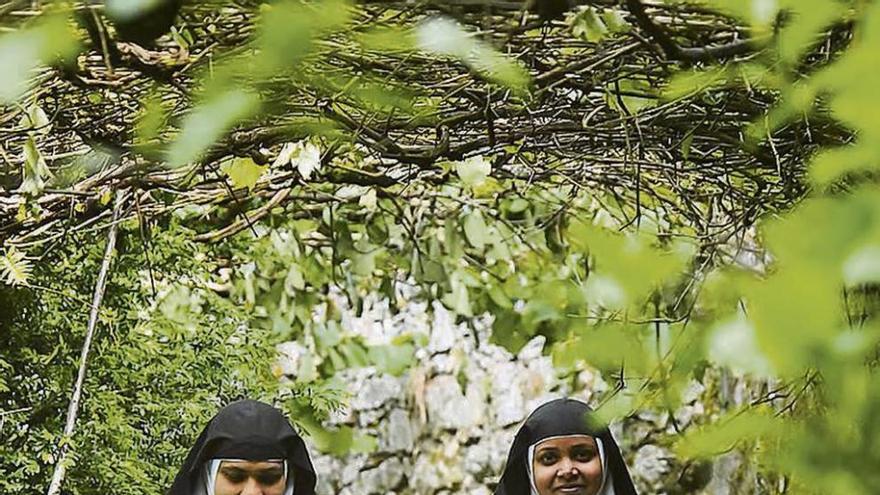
[(567, 465), (250, 478)]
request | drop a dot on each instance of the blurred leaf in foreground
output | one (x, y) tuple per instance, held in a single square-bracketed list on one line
[(24, 51)]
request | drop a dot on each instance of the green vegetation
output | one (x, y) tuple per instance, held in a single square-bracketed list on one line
[(656, 197)]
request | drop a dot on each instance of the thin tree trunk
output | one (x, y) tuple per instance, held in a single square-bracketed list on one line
[(97, 297)]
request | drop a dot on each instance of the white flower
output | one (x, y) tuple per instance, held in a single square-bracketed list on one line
[(303, 155)]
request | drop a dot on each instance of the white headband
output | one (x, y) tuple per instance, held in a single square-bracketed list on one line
[(212, 467), (607, 486)]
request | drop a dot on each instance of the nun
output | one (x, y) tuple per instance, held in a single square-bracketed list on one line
[(557, 451), (248, 448)]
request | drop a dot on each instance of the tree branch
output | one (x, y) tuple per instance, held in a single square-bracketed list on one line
[(676, 52), (98, 296)]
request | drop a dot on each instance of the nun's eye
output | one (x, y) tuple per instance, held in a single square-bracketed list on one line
[(235, 476), (269, 479), (548, 458), (583, 454)]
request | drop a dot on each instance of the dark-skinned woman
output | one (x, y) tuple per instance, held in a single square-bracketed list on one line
[(557, 451), (248, 448)]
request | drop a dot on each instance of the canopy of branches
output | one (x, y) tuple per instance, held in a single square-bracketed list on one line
[(679, 184)]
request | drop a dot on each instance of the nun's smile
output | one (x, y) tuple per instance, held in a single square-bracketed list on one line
[(567, 465), (250, 478)]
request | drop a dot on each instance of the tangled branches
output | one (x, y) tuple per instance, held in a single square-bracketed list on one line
[(593, 117)]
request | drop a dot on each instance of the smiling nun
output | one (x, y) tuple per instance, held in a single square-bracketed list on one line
[(557, 452), (248, 448)]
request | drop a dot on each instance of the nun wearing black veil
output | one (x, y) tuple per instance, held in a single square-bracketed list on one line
[(557, 451), (248, 448)]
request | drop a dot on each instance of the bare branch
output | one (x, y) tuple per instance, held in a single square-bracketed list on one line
[(76, 396)]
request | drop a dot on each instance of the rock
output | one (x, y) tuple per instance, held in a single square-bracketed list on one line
[(476, 458), (397, 432), (686, 414), (650, 465), (351, 468), (435, 469), (370, 417), (442, 363), (533, 349), (343, 416), (443, 330), (328, 467), (508, 402), (637, 432), (379, 480), (490, 355), (487, 457), (375, 391), (290, 354), (538, 378), (659, 419), (447, 406), (692, 392), (729, 476)]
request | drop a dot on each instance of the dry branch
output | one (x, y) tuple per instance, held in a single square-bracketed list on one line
[(76, 396), (689, 54)]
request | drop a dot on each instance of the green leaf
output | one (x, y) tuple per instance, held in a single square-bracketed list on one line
[(606, 347), (832, 164), (294, 280), (36, 120), (388, 39), (35, 168), (588, 26), (689, 83), (14, 268), (23, 51), (208, 122), (243, 172), (393, 359), (458, 299), (733, 344), (151, 119), (123, 10), (721, 437), (289, 29), (615, 21), (354, 354), (475, 230), (446, 37), (686, 146)]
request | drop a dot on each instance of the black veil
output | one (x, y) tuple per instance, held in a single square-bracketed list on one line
[(557, 418), (247, 430)]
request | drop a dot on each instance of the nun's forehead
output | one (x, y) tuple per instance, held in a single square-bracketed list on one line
[(255, 464), (545, 441)]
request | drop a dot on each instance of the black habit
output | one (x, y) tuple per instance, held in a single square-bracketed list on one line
[(251, 431), (560, 417)]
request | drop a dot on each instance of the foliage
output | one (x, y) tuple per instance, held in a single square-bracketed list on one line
[(170, 351), (642, 278)]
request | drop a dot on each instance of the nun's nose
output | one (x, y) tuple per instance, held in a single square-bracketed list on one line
[(567, 469), (251, 487)]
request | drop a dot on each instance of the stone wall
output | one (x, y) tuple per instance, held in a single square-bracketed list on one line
[(446, 425)]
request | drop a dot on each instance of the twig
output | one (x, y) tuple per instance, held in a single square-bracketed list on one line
[(15, 411), (76, 396), (676, 52), (238, 226)]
